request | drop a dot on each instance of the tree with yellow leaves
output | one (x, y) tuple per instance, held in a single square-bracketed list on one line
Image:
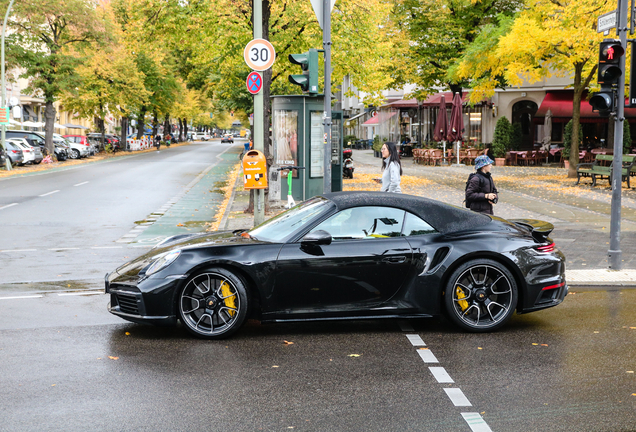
[(547, 38)]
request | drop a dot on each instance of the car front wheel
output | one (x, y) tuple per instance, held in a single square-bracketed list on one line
[(75, 154), (481, 295), (213, 304)]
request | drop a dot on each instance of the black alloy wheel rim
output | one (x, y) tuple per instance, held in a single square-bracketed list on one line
[(210, 304), (482, 296)]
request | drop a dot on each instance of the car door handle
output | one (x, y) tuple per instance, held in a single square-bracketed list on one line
[(394, 260)]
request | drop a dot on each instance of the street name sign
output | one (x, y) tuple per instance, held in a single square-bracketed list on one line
[(259, 54), (606, 22), (254, 82)]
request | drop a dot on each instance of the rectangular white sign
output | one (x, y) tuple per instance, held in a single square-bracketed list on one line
[(606, 22)]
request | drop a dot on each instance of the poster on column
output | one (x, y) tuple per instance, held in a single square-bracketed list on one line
[(285, 125), (317, 149)]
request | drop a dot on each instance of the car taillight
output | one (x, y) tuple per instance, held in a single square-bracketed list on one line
[(14, 151), (547, 248)]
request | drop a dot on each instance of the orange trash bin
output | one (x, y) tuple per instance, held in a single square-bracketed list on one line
[(254, 170)]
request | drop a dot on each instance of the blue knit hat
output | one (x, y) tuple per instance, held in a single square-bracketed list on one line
[(482, 161)]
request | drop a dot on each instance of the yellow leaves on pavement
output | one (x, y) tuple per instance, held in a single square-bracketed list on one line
[(364, 182), (354, 355), (113, 358), (288, 343), (179, 224), (227, 193), (536, 344)]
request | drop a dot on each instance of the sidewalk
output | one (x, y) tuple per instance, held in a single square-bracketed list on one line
[(580, 214)]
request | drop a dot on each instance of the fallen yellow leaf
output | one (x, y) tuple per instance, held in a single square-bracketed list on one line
[(275, 366), (354, 355), (479, 348), (113, 358), (534, 343), (127, 333), (288, 343)]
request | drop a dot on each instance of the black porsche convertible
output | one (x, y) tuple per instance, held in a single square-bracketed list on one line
[(348, 255)]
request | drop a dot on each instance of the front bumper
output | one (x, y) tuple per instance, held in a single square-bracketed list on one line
[(151, 301)]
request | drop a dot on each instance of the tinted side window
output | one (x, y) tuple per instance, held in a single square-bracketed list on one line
[(413, 225), (364, 223)]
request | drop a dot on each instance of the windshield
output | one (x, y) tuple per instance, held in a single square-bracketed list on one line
[(279, 228)]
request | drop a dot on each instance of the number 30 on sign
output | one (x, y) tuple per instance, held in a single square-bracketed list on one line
[(259, 54)]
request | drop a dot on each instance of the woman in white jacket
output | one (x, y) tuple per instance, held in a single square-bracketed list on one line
[(391, 168)]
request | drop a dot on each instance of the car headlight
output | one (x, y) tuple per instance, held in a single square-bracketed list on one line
[(162, 261)]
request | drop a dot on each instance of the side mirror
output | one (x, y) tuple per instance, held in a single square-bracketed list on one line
[(317, 238)]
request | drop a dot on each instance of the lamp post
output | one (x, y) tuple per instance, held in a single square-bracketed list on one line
[(4, 87)]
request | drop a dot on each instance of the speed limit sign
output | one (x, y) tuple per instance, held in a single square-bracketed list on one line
[(259, 54)]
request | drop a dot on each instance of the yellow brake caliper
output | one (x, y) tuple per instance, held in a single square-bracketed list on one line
[(229, 298), (460, 295)]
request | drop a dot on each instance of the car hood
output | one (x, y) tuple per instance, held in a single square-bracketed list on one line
[(184, 242)]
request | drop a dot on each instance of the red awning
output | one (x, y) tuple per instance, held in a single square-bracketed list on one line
[(372, 121), (560, 103)]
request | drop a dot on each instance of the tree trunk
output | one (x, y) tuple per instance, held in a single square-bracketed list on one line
[(185, 129), (49, 121), (576, 119), (141, 122), (155, 123), (167, 129), (102, 128), (124, 133)]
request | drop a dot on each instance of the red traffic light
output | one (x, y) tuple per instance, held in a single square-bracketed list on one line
[(610, 52)]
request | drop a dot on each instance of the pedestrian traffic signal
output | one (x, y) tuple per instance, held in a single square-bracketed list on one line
[(609, 74), (308, 61)]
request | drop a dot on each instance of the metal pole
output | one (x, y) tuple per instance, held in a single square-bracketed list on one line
[(3, 134), (259, 127), (326, 43), (614, 253)]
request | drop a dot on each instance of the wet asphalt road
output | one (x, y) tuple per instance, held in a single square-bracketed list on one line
[(67, 364)]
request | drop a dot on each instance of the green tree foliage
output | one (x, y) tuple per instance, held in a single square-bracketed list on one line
[(47, 40), (438, 34), (568, 136), (501, 138), (627, 138)]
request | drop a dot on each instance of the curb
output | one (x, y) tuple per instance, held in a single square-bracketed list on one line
[(230, 204)]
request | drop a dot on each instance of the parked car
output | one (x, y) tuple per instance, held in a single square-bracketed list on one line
[(33, 138), (32, 154), (227, 139), (96, 139), (76, 150), (15, 154), (61, 151), (78, 142), (3, 158), (347, 255)]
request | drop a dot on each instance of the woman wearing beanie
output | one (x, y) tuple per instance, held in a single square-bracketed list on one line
[(481, 192)]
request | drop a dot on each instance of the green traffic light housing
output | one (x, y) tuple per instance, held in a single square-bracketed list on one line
[(308, 61)]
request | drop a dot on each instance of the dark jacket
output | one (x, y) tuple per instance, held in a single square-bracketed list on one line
[(478, 186)]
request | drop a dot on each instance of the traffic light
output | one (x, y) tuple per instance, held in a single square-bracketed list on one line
[(308, 61), (609, 74)]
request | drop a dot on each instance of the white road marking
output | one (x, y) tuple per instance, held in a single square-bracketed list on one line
[(79, 184), (405, 326), (476, 422), (107, 247), (457, 397), (21, 297), (50, 193), (19, 250), (415, 340), (62, 249), (8, 205), (441, 375), (81, 293), (427, 355)]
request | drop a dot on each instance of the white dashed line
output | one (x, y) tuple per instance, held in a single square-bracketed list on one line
[(427, 355), (62, 249), (79, 184), (107, 247), (457, 397), (476, 422), (19, 250), (441, 375), (81, 293), (415, 340), (50, 193), (8, 205), (21, 297)]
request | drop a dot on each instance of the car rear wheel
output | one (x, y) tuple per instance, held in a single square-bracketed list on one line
[(213, 304), (481, 295)]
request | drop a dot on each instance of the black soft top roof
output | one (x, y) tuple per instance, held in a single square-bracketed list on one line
[(443, 217)]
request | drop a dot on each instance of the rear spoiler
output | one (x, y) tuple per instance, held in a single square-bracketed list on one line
[(540, 230)]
